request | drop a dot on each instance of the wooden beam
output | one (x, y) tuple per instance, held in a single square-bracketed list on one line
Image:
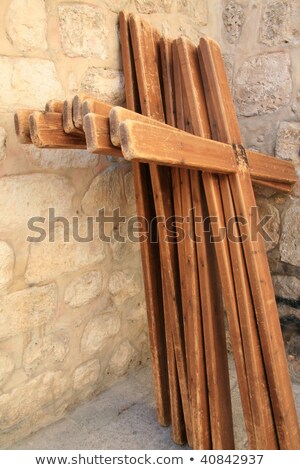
[(255, 255), (97, 136), (151, 144), (149, 251), (77, 116), (54, 106), (209, 280), (46, 131), (146, 63), (21, 120), (68, 124), (95, 107)]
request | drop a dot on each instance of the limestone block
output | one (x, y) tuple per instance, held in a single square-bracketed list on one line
[(129, 188), (153, 6), (83, 30), (48, 260), (32, 196), (6, 367), (106, 191), (122, 359), (287, 287), (60, 159), (196, 9), (86, 374), (26, 309), (84, 289), (263, 84), (233, 19), (30, 397), (2, 144), (45, 351), (7, 260), (290, 238), (272, 227), (26, 83), (280, 23), (122, 285), (99, 333), (107, 85), (26, 25), (288, 141)]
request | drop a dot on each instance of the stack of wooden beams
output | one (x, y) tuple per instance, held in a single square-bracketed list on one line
[(181, 133)]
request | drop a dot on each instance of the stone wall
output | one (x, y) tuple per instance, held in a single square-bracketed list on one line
[(72, 315)]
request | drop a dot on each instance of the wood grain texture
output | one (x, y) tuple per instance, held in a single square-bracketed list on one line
[(267, 318), (94, 106), (149, 251), (77, 115), (147, 69), (46, 131)]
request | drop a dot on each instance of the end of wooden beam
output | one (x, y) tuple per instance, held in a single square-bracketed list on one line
[(77, 109), (21, 120), (54, 106), (97, 134), (126, 140), (68, 124), (34, 119)]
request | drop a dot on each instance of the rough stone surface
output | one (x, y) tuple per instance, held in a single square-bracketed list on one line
[(26, 25), (83, 30), (290, 238), (197, 10), (99, 332), (129, 188), (6, 367), (233, 19), (288, 141), (23, 310), (287, 287), (263, 84), (26, 83), (60, 159), (123, 285), (26, 399), (48, 260), (280, 23), (3, 137), (106, 85), (154, 6), (7, 260), (32, 196), (85, 289), (122, 358), (86, 374), (272, 227), (45, 351), (106, 191)]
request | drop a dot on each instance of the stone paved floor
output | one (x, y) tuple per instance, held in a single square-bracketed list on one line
[(123, 417)]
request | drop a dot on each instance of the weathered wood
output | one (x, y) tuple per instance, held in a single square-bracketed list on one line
[(255, 255), (21, 119), (95, 107), (151, 144), (197, 368), (54, 106), (97, 134), (149, 251), (68, 124), (146, 64), (77, 114), (211, 299), (46, 131)]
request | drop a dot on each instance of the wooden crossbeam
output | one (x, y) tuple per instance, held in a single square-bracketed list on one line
[(54, 106), (97, 134), (93, 106), (68, 123), (46, 131), (255, 254), (21, 120)]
